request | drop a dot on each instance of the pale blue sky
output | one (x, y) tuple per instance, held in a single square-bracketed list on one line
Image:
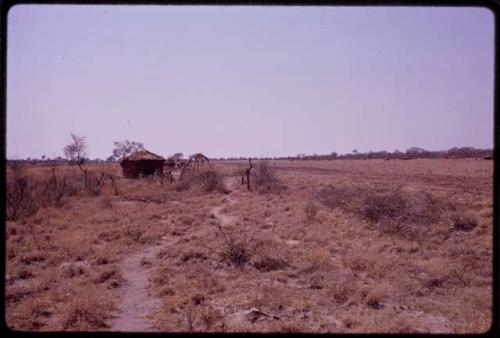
[(248, 81)]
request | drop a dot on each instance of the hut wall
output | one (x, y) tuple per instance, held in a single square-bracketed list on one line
[(132, 169)]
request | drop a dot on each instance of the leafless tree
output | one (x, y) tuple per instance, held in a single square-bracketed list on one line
[(76, 152)]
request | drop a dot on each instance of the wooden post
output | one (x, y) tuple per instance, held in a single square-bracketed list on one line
[(248, 173)]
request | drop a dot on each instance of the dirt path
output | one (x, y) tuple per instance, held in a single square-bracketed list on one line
[(218, 212), (137, 303)]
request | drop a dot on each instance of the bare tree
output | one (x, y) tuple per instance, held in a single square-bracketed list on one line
[(76, 152), (124, 148)]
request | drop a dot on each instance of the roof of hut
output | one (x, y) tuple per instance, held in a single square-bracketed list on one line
[(199, 156), (143, 155)]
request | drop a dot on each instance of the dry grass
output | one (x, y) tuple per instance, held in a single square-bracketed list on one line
[(350, 246)]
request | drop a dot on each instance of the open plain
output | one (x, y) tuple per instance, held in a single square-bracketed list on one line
[(313, 246)]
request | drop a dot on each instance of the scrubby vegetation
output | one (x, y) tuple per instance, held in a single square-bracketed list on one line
[(344, 248)]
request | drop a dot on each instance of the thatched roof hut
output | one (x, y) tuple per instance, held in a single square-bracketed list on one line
[(142, 162)]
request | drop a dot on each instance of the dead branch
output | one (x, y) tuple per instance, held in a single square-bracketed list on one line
[(247, 170)]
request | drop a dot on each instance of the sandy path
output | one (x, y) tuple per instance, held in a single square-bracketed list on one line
[(137, 302), (218, 212)]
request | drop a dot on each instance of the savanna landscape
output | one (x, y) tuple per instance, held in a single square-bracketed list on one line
[(338, 246), (308, 169)]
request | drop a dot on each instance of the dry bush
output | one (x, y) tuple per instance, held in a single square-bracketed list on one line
[(212, 319), (264, 177), (311, 209), (341, 291), (27, 194), (95, 183), (86, 313), (269, 255), (464, 221), (135, 231), (21, 198), (32, 314), (375, 297), (54, 190), (398, 227), (394, 203), (274, 298), (268, 263), (392, 209), (237, 252), (345, 197), (237, 249), (358, 261), (385, 205), (211, 180), (33, 256), (318, 259), (56, 187), (71, 270), (403, 213)]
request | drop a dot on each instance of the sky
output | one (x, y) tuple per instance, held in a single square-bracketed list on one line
[(248, 80)]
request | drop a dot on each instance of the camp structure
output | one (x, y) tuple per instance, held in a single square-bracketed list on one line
[(193, 163), (142, 163)]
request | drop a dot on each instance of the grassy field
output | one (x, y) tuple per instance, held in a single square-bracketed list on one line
[(315, 246)]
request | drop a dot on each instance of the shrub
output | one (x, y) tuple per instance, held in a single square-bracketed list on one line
[(73, 270), (54, 190), (397, 212), (94, 183), (464, 222), (212, 318), (318, 259), (341, 292), (85, 314), (268, 263), (135, 231), (344, 197), (391, 206), (105, 275), (211, 180), (374, 301), (264, 177), (386, 205), (236, 250), (21, 199)]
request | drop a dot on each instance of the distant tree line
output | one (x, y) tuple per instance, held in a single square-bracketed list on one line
[(126, 147), (410, 153)]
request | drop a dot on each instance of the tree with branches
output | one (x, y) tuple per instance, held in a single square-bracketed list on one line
[(125, 148), (76, 153)]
